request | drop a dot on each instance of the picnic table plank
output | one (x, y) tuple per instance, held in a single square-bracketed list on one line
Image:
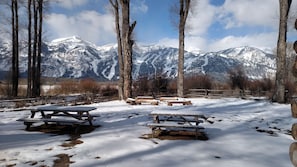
[(35, 120), (168, 98), (183, 102), (63, 108), (176, 112), (174, 125)]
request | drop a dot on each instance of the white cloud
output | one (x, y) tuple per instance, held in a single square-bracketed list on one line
[(264, 40), (260, 16), (195, 43), (235, 13), (71, 3), (90, 25), (201, 17)]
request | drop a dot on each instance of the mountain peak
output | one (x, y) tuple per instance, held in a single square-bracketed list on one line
[(67, 39), (71, 42)]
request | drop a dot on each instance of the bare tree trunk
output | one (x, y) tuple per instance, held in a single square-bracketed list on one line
[(115, 5), (34, 55), (280, 81), (184, 10), (15, 48), (125, 31), (39, 46), (29, 75), (127, 44)]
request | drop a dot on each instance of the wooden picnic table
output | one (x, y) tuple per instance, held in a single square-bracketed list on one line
[(75, 115), (142, 100), (176, 119)]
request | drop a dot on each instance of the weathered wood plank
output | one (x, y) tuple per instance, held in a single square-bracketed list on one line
[(183, 102), (168, 98), (35, 120), (154, 125)]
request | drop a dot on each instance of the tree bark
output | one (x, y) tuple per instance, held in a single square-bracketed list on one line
[(183, 14), (39, 46), (293, 153), (15, 48), (34, 55), (127, 44), (29, 74), (280, 79), (115, 5)]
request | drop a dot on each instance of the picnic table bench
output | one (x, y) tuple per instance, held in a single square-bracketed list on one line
[(142, 100), (165, 99), (73, 115), (183, 102), (176, 119)]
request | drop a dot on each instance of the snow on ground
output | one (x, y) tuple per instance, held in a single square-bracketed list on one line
[(233, 137)]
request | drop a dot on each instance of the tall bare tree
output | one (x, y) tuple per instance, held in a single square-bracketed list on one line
[(115, 6), (39, 48), (29, 75), (15, 47), (280, 80), (125, 41), (183, 14), (34, 54)]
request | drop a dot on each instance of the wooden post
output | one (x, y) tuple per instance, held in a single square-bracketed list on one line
[(293, 153), (293, 147), (294, 131), (294, 108)]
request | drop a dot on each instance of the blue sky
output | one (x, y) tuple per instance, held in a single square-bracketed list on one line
[(212, 24)]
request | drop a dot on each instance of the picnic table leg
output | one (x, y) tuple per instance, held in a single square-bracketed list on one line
[(90, 118), (32, 113), (44, 116), (156, 119), (196, 120), (196, 129), (196, 135), (77, 129), (155, 132), (28, 124)]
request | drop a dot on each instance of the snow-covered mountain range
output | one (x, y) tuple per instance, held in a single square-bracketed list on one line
[(75, 58)]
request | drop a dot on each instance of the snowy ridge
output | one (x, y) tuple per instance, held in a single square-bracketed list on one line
[(75, 58)]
